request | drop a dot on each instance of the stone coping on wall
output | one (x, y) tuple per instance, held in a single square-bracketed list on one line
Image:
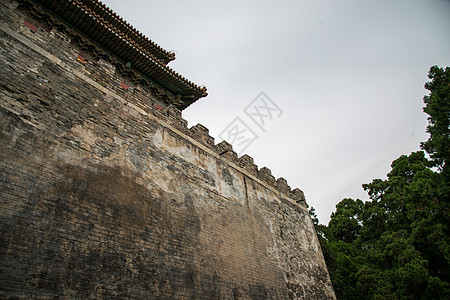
[(171, 118)]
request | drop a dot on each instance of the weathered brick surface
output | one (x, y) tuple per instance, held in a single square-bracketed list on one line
[(104, 195)]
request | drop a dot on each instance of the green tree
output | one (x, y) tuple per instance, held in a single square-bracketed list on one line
[(396, 245), (437, 106)]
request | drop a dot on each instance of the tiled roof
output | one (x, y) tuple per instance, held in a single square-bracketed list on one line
[(99, 23)]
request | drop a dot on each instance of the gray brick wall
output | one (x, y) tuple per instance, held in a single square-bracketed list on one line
[(105, 195)]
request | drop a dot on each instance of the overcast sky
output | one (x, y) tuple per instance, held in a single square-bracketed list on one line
[(343, 79)]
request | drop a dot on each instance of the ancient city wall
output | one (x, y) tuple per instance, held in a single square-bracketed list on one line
[(105, 192)]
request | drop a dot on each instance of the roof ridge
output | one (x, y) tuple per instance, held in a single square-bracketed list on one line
[(105, 29), (170, 55), (138, 47)]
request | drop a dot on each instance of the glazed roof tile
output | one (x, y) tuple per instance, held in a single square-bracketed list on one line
[(99, 23)]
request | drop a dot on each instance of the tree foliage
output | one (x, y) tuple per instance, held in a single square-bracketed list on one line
[(437, 106), (396, 245)]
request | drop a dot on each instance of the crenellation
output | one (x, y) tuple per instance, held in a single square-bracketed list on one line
[(283, 185), (246, 162), (223, 147), (225, 150), (298, 196), (266, 175), (201, 134)]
